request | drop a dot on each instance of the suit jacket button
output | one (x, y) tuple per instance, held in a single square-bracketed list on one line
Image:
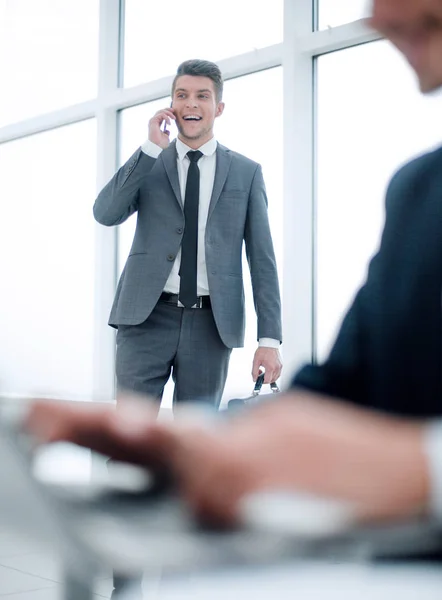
[(179, 230), (170, 257)]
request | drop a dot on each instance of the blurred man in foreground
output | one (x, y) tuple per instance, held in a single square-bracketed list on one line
[(388, 356)]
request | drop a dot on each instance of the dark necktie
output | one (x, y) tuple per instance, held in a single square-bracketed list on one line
[(189, 245)]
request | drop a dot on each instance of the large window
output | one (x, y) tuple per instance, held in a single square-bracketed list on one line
[(237, 129), (338, 12), (48, 55), (47, 186), (367, 123), (158, 37), (371, 119)]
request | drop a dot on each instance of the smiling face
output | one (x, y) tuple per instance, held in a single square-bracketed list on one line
[(415, 28), (196, 107)]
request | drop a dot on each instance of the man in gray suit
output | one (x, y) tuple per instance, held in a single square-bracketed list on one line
[(179, 305)]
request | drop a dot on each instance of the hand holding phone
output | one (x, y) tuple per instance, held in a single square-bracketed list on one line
[(159, 132), (164, 126)]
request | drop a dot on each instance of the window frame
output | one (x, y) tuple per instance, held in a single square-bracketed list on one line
[(297, 54)]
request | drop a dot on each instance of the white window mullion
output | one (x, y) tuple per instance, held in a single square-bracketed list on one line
[(338, 38), (45, 122), (105, 240), (298, 188)]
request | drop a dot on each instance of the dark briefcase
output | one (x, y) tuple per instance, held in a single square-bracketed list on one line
[(237, 403)]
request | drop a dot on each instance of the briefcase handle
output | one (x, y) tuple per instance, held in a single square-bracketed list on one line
[(259, 383)]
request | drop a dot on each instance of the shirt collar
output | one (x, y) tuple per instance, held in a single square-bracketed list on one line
[(207, 149)]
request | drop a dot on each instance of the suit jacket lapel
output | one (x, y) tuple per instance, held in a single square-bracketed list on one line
[(169, 158), (223, 160)]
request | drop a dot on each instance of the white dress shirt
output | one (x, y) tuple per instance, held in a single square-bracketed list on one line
[(207, 167)]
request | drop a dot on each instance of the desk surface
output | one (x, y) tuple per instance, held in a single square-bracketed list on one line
[(309, 581), (129, 534)]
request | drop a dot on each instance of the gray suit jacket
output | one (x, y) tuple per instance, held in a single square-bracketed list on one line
[(237, 213)]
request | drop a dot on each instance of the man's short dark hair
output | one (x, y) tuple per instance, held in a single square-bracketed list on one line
[(201, 68)]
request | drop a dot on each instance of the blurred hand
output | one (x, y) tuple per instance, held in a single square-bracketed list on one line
[(92, 426), (300, 443), (305, 444), (270, 360), (156, 134)]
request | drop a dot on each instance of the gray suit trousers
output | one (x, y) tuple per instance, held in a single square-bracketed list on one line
[(182, 342)]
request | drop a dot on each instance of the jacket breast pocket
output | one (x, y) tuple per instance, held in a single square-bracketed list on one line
[(234, 193)]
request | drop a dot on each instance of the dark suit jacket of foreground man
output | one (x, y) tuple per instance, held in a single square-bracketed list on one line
[(237, 213), (388, 352)]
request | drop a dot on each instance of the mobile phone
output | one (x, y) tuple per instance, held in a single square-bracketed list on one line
[(164, 125)]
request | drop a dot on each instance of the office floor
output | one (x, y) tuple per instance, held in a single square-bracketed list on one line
[(28, 573)]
